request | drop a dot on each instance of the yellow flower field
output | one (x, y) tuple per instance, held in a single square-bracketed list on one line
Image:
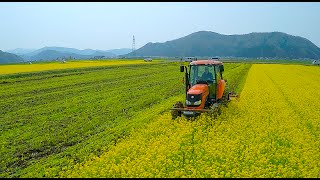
[(273, 130), (10, 69)]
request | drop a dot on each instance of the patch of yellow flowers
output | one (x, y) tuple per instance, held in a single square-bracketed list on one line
[(10, 69), (273, 130)]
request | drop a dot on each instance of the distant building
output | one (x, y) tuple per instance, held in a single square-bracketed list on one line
[(98, 57), (147, 59), (61, 58), (214, 58), (316, 62), (190, 59)]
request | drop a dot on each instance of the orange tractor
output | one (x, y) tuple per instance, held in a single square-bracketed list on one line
[(205, 88)]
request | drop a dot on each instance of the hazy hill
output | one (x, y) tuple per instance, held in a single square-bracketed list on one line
[(48, 53), (253, 45), (53, 55), (119, 52), (70, 50), (9, 58), (20, 51)]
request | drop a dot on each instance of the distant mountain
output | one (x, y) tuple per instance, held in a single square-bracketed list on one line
[(53, 55), (103, 53), (71, 50), (253, 45), (20, 51), (9, 58), (48, 53), (119, 52)]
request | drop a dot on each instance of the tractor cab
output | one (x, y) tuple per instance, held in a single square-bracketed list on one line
[(203, 74), (204, 86), (206, 74)]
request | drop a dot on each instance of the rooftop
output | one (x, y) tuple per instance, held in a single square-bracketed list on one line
[(205, 62)]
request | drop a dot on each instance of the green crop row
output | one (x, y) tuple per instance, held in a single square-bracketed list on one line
[(52, 120)]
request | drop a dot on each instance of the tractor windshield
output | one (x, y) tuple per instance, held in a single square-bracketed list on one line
[(202, 73)]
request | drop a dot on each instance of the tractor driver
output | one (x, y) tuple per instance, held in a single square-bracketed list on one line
[(207, 75)]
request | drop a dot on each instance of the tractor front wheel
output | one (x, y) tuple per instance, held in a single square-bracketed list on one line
[(176, 113)]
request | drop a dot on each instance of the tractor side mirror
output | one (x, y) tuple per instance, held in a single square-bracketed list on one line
[(181, 68), (221, 68)]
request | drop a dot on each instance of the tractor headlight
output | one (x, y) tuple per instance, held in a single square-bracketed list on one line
[(188, 102), (197, 102)]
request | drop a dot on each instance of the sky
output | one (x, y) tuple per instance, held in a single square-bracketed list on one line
[(112, 25)]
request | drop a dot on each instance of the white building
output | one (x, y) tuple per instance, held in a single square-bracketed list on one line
[(148, 59), (316, 62), (189, 59)]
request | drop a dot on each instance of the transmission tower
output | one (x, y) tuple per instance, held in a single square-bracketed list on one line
[(133, 46)]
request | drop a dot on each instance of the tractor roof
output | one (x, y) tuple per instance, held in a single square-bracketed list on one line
[(205, 62)]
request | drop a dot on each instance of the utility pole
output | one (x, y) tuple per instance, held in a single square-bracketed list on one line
[(133, 46)]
